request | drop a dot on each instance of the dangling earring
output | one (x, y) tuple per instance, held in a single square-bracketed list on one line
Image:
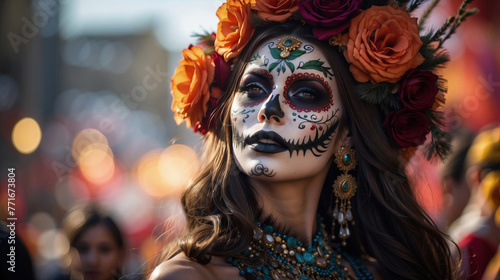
[(344, 189)]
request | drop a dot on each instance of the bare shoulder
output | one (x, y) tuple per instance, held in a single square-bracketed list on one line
[(181, 267)]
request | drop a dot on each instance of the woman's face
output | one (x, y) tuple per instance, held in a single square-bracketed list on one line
[(100, 255), (286, 112)]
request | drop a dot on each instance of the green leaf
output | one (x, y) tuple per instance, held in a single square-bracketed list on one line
[(290, 65), (273, 65), (439, 145), (312, 64), (317, 65), (255, 57), (294, 54), (275, 53)]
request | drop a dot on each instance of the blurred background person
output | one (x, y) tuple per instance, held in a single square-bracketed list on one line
[(480, 230), (456, 190), (98, 247)]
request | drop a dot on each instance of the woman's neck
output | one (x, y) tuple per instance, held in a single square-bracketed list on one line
[(291, 204)]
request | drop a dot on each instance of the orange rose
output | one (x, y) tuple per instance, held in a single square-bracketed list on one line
[(275, 10), (234, 29), (382, 44), (190, 86)]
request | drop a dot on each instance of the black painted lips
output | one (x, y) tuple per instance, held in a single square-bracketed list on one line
[(273, 143)]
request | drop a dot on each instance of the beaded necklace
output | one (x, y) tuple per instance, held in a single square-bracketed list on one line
[(279, 256)]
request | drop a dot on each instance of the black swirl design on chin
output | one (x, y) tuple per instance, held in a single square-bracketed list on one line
[(261, 170)]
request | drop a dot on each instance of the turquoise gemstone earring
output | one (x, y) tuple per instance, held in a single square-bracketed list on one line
[(344, 189)]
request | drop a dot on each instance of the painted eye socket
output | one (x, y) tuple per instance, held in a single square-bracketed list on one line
[(254, 89), (308, 94)]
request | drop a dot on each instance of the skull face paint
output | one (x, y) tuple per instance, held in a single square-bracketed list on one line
[(285, 114)]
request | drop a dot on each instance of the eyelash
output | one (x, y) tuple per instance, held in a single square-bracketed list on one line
[(246, 88), (314, 93)]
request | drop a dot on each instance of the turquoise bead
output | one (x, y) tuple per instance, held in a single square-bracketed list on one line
[(345, 186), (303, 277), (268, 229), (347, 158), (265, 270), (299, 257), (309, 258), (288, 42), (268, 278), (291, 241)]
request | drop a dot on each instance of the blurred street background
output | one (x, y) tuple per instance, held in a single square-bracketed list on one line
[(85, 113)]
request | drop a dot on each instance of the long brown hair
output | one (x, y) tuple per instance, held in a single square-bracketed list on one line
[(391, 226)]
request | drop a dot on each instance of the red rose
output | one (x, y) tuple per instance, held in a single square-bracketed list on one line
[(222, 71), (327, 17), (407, 128), (418, 89)]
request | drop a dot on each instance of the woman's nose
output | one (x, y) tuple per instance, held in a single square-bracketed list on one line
[(271, 111), (91, 258)]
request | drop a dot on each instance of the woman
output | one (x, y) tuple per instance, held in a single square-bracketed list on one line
[(303, 176), (97, 243)]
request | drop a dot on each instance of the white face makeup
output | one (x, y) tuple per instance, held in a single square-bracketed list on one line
[(286, 112)]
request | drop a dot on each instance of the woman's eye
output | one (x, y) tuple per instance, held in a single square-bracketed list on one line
[(253, 91), (305, 95), (105, 249), (308, 94)]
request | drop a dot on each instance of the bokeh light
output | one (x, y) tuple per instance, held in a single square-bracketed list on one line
[(86, 138), (178, 164), (26, 135), (42, 221), (96, 163), (53, 244), (148, 174), (167, 173), (93, 155)]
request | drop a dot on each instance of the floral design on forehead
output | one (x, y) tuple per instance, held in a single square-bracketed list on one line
[(284, 53), (392, 64)]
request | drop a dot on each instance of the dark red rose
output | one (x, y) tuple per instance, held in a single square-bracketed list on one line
[(222, 71), (210, 120), (418, 89), (328, 17), (408, 128)]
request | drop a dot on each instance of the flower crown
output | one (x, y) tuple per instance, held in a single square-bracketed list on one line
[(390, 61)]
